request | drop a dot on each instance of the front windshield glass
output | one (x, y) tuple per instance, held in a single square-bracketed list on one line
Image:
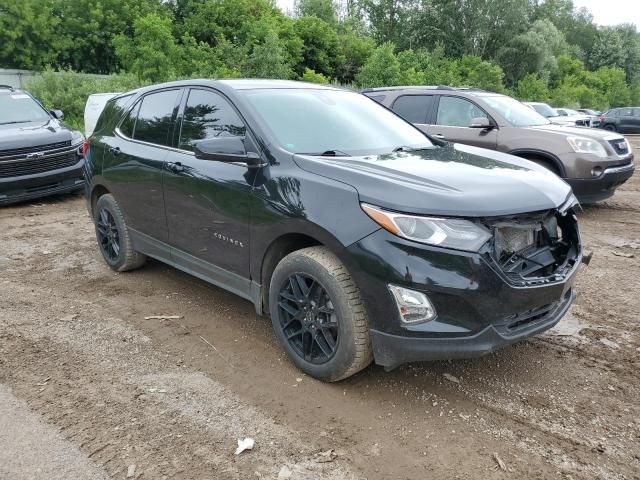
[(517, 114), (20, 108), (317, 121), (572, 112), (545, 110)]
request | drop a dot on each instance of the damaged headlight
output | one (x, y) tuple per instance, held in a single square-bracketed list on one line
[(444, 232)]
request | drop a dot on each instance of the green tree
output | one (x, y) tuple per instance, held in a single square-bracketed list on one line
[(27, 34), (322, 9), (313, 77), (532, 88), (321, 47), (152, 51), (267, 60), (381, 69)]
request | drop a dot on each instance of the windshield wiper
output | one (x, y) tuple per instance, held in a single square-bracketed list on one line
[(410, 149), (327, 153), (15, 121)]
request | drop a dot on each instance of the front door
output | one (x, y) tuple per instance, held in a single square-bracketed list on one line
[(207, 201), (134, 157), (453, 117)]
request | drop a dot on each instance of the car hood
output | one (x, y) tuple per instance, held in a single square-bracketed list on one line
[(23, 135), (454, 180), (569, 131)]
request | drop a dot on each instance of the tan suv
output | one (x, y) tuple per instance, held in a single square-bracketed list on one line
[(593, 162)]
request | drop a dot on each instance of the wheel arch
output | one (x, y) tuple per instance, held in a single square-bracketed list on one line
[(96, 192), (289, 242), (530, 153)]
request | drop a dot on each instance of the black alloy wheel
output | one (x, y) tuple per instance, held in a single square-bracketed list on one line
[(308, 319), (108, 235)]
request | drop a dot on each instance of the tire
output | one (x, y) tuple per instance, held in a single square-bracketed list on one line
[(335, 319), (610, 127), (111, 230)]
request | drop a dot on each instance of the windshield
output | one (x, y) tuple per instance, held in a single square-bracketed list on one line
[(572, 112), (517, 114), (20, 108), (317, 121), (544, 110)]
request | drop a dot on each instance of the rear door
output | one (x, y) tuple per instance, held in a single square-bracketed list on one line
[(134, 159), (414, 108), (207, 201), (626, 120), (453, 115)]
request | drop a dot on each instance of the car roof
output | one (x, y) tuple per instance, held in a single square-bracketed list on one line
[(423, 88)]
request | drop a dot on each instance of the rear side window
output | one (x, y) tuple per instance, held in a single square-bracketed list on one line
[(625, 112), (208, 115), (413, 108), (129, 122), (636, 112), (457, 112), (155, 117), (112, 111)]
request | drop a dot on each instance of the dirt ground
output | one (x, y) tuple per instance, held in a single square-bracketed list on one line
[(86, 383)]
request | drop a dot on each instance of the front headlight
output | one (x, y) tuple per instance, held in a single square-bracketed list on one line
[(77, 137), (587, 145), (443, 232)]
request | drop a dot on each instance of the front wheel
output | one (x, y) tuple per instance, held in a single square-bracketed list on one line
[(611, 128), (318, 315)]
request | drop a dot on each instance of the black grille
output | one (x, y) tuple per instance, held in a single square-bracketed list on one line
[(521, 320), (37, 165), (620, 146), (39, 148)]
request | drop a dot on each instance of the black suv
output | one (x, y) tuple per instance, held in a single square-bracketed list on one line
[(623, 120), (39, 155), (361, 237)]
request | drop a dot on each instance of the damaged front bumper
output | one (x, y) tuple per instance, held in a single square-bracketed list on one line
[(483, 301)]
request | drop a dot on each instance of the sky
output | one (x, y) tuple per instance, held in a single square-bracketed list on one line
[(605, 12), (612, 12)]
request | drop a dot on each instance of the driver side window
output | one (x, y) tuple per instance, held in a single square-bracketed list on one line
[(457, 112), (208, 115)]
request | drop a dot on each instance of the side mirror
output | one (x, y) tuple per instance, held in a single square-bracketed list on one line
[(480, 122), (57, 114), (226, 149)]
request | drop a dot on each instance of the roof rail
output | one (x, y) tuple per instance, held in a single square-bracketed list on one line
[(405, 87), (8, 87)]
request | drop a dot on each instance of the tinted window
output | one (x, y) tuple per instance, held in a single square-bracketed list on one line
[(305, 120), (457, 112), (112, 111), (625, 112), (413, 108), (636, 112), (207, 115), (154, 117), (129, 122)]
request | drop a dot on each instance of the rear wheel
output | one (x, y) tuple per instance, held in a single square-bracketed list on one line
[(318, 315), (113, 236)]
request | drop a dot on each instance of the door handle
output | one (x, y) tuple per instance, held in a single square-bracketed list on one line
[(175, 167), (439, 135), (114, 150)]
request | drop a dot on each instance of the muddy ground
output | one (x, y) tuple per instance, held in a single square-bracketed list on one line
[(90, 389)]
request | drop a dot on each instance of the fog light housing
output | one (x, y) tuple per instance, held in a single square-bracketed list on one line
[(596, 171), (414, 307)]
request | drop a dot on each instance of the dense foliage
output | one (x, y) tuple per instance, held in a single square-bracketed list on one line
[(535, 49)]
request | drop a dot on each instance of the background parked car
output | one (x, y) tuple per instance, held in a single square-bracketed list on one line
[(593, 162), (39, 155), (554, 116), (594, 115), (580, 118), (623, 120)]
